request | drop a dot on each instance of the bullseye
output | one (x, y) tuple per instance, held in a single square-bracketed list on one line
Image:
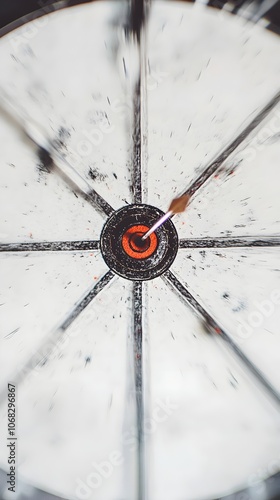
[(124, 250), (137, 248)]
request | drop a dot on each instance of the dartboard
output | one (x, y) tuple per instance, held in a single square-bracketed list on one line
[(140, 370)]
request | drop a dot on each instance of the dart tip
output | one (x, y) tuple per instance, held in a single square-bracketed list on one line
[(140, 241)]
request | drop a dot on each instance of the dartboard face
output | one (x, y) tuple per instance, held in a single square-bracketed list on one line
[(145, 371)]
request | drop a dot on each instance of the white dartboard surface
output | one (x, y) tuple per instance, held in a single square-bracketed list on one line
[(156, 386)]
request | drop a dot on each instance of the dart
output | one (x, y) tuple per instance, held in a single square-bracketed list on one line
[(177, 206)]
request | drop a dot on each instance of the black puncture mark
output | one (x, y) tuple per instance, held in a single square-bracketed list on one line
[(246, 241), (241, 306), (62, 137), (12, 333), (138, 373), (211, 169), (95, 175), (214, 328), (87, 360), (45, 164), (57, 334), (124, 66), (53, 246), (235, 379)]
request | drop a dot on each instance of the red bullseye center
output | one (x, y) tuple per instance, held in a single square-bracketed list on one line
[(133, 244)]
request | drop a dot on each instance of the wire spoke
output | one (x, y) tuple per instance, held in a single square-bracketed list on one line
[(57, 334), (137, 144), (213, 326), (214, 165), (50, 246), (137, 17), (139, 14), (39, 137), (243, 241), (138, 374)]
